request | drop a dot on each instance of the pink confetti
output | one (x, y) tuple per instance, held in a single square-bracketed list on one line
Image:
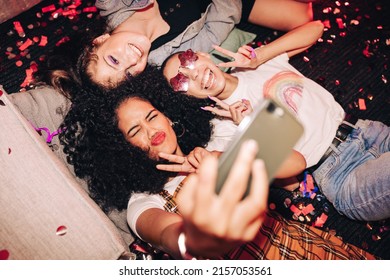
[(306, 59), (362, 104)]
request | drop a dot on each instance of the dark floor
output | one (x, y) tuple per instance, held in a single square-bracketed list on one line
[(351, 61)]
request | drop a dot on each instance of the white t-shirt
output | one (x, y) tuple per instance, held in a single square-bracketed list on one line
[(314, 106), (140, 202)]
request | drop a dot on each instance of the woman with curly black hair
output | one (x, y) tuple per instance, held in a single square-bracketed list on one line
[(118, 140), (95, 146)]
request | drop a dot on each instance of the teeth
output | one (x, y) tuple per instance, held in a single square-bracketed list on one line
[(208, 79), (136, 50)]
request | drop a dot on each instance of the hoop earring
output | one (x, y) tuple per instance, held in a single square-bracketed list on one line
[(180, 126)]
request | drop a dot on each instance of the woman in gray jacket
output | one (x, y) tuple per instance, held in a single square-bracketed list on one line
[(148, 31)]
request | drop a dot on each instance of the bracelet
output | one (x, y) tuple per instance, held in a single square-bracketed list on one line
[(181, 242)]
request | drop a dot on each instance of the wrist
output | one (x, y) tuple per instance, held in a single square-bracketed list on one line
[(181, 242)]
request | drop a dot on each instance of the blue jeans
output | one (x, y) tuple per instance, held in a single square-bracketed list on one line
[(356, 176)]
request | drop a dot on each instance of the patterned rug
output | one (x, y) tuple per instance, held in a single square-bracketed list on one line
[(351, 61)]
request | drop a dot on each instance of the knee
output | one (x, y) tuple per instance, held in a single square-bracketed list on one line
[(304, 16)]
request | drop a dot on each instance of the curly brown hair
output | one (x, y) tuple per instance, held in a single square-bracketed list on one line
[(113, 168)]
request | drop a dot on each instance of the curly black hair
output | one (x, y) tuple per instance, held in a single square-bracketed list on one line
[(113, 168)]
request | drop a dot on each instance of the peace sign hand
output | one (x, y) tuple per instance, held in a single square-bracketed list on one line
[(237, 111)]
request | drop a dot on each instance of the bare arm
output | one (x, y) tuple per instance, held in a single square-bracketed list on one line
[(213, 224), (293, 42), (295, 164)]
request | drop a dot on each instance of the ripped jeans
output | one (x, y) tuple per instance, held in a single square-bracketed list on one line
[(356, 176)]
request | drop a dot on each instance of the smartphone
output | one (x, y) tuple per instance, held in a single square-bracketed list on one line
[(276, 131)]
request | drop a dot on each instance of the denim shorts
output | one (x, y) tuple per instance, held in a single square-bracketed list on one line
[(356, 175)]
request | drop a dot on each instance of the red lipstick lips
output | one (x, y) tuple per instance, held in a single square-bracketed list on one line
[(158, 138)]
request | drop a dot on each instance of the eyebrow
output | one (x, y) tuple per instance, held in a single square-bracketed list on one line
[(147, 116)]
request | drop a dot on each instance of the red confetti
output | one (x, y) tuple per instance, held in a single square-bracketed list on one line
[(326, 23), (309, 208), (62, 40), (295, 209), (18, 27), (362, 104), (340, 23), (320, 221), (43, 41), (367, 53), (26, 44), (90, 9), (49, 8), (75, 4), (4, 254), (28, 78), (57, 13), (61, 230), (19, 63), (69, 13), (1, 92)]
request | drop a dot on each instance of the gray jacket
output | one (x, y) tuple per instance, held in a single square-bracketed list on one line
[(213, 27)]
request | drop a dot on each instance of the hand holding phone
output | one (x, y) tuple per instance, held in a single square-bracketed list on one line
[(275, 130)]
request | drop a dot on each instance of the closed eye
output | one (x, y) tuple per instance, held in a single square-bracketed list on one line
[(152, 117), (129, 76), (134, 132), (113, 60)]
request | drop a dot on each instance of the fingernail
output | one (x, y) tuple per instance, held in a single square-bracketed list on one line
[(253, 53), (203, 108)]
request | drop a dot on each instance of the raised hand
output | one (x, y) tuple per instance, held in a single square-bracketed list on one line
[(185, 164), (214, 224), (236, 111), (245, 57)]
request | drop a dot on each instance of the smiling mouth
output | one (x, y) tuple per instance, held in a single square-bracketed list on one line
[(208, 79), (136, 50)]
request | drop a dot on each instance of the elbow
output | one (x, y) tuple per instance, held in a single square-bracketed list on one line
[(319, 27)]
